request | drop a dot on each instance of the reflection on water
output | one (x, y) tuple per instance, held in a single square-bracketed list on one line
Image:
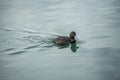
[(74, 47), (27, 29)]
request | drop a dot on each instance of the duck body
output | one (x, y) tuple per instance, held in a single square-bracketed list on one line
[(64, 40)]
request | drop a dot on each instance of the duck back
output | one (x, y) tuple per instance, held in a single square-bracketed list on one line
[(62, 40)]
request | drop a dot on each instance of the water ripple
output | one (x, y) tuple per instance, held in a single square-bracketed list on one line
[(9, 49), (31, 47), (100, 37), (16, 53)]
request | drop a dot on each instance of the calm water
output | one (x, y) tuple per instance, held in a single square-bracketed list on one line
[(27, 28)]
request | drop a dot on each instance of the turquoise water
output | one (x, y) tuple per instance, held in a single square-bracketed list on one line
[(27, 28)]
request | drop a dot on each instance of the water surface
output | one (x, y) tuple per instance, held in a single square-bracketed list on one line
[(27, 28)]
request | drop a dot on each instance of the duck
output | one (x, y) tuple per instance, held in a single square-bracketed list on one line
[(65, 40)]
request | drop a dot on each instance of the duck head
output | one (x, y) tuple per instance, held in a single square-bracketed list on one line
[(72, 37)]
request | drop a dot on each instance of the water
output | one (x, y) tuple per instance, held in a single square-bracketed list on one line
[(27, 28)]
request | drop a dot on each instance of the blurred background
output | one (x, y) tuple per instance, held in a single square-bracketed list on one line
[(27, 28)]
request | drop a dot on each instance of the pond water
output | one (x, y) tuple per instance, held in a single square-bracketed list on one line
[(27, 28)]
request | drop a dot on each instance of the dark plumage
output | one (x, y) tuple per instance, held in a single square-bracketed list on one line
[(64, 40)]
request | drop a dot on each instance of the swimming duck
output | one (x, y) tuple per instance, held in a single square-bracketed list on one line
[(64, 40)]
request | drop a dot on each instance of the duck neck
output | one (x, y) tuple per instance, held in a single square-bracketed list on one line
[(72, 40)]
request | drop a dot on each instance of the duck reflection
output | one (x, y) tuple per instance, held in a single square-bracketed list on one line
[(74, 47), (64, 46)]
